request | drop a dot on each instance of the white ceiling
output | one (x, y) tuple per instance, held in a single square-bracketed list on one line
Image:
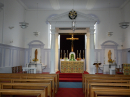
[(70, 4)]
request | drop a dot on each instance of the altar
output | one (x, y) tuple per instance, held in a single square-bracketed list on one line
[(72, 66)]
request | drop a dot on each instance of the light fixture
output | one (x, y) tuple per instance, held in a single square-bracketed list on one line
[(72, 15), (37, 33), (24, 25), (109, 32), (1, 5), (124, 25)]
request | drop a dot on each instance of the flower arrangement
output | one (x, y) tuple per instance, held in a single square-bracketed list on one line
[(110, 61), (35, 60)]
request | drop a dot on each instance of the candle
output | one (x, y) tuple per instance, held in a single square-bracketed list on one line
[(79, 55)]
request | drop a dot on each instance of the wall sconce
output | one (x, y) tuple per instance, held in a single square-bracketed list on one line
[(110, 34), (11, 27), (23, 25), (1, 6), (36, 33), (124, 25)]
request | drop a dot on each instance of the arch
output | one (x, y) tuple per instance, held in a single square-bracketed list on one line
[(109, 41), (36, 41)]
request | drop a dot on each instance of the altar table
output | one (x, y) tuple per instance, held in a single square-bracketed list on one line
[(72, 67)]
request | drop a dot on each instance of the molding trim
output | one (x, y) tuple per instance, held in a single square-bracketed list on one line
[(21, 3)]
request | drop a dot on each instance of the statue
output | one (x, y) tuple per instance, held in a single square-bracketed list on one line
[(109, 57), (36, 53)]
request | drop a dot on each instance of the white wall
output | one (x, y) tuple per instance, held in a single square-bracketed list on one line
[(126, 32), (102, 28), (13, 14)]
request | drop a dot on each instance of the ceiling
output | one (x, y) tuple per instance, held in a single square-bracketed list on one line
[(73, 4)]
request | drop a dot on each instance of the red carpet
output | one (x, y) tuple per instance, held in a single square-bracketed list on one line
[(71, 77), (70, 92)]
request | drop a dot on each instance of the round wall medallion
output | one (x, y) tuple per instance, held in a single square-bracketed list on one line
[(72, 14)]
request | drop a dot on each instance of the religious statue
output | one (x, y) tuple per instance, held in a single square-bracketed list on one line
[(36, 53), (109, 57)]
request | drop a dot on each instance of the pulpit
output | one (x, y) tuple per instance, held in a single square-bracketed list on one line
[(97, 66)]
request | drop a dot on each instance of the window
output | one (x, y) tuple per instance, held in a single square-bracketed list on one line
[(49, 35), (95, 27)]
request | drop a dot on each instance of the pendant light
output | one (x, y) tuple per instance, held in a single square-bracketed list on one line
[(109, 32), (36, 33), (24, 25), (124, 24)]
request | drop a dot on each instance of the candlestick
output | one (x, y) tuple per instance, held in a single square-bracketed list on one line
[(83, 54), (61, 54), (67, 54), (80, 53), (77, 53), (64, 54), (40, 59), (30, 59)]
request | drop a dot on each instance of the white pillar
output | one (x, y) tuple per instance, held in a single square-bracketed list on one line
[(56, 52), (87, 52), (90, 51), (92, 67), (52, 69)]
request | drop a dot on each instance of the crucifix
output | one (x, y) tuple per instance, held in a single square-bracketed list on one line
[(72, 45)]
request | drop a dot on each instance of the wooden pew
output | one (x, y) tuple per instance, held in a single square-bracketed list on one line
[(102, 78), (101, 81), (112, 93), (18, 76), (36, 81), (107, 85), (28, 86), (38, 93)]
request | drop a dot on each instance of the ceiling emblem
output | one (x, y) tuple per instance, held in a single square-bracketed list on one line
[(72, 14)]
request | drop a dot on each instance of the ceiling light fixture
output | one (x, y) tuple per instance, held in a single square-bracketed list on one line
[(109, 32), (124, 24), (37, 33), (72, 15), (1, 5), (24, 25)]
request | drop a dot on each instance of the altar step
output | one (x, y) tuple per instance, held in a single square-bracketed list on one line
[(70, 77)]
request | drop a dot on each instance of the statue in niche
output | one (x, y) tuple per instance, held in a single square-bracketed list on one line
[(109, 57), (36, 53)]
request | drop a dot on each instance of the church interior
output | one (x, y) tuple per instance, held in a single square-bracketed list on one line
[(64, 48)]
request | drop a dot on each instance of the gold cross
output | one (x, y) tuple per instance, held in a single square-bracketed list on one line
[(72, 38)]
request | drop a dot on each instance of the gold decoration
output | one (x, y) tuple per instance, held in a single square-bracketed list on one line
[(109, 57), (72, 45), (36, 53)]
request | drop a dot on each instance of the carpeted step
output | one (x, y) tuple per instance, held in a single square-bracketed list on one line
[(70, 79)]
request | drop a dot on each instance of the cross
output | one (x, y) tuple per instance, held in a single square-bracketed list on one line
[(72, 38)]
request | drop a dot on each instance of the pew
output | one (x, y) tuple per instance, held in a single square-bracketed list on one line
[(101, 81), (36, 81), (112, 93), (102, 87), (27, 86), (19, 76), (38, 93), (103, 77)]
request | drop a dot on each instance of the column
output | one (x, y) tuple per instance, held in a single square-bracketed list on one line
[(90, 51), (92, 57), (52, 68), (56, 52), (87, 52)]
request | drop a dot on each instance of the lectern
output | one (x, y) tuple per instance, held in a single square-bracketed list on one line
[(97, 65)]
